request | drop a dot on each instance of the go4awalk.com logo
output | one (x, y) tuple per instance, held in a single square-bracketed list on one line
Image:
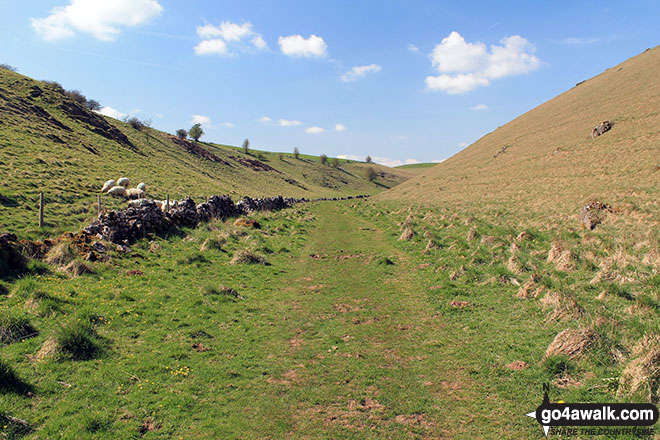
[(594, 418)]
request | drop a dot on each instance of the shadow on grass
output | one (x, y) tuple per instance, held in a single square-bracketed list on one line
[(11, 383), (15, 428)]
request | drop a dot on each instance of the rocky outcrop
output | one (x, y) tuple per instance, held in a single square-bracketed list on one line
[(593, 213), (601, 128)]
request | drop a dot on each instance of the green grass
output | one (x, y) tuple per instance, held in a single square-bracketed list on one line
[(348, 332)]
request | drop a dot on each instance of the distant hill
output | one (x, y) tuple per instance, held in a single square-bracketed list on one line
[(53, 144), (416, 168), (547, 160)]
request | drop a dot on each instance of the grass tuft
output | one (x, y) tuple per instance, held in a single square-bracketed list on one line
[(247, 257), (78, 340), (15, 328)]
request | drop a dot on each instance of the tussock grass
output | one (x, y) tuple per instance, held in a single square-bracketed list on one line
[(221, 290), (213, 243), (247, 257), (77, 340), (642, 374), (14, 327), (60, 254), (572, 343)]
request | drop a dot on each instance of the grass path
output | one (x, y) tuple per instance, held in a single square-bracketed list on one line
[(359, 353), (338, 338)]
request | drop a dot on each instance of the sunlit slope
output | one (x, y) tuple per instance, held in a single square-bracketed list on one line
[(551, 163), (50, 143)]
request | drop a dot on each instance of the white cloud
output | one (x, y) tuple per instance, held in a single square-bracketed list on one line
[(297, 46), (201, 119), (264, 120), (386, 161), (160, 115), (350, 157), (456, 84), (227, 124), (101, 19), (340, 127), (463, 144), (381, 160), (479, 107), (454, 54), (314, 130), (259, 43), (411, 161), (220, 40), (288, 123), (579, 41), (212, 47), (465, 66), (113, 113), (438, 160), (412, 48), (358, 72), (402, 138)]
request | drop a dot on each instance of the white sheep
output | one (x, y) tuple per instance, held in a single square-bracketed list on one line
[(117, 191), (107, 185), (139, 203), (124, 181), (164, 206), (134, 193), (142, 186)]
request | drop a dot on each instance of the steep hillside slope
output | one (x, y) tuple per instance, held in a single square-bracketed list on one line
[(550, 163), (50, 143)]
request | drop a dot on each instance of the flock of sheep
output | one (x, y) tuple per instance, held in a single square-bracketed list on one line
[(119, 188)]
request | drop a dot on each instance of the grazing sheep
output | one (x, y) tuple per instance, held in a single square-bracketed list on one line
[(124, 181), (134, 193), (139, 203), (142, 186), (164, 206), (107, 185), (117, 191)]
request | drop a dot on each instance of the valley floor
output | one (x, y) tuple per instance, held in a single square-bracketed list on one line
[(347, 333)]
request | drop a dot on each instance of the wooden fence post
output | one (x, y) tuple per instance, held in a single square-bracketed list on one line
[(167, 206), (41, 209)]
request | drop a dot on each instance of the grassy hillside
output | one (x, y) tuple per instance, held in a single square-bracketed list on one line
[(52, 144), (416, 168), (551, 163), (386, 177)]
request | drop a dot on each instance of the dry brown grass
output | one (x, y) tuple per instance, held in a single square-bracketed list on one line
[(642, 374), (613, 268), (407, 235), (572, 343), (530, 289), (562, 258), (562, 307), (247, 257), (76, 268), (60, 254)]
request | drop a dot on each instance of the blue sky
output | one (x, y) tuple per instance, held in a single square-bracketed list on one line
[(397, 80)]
